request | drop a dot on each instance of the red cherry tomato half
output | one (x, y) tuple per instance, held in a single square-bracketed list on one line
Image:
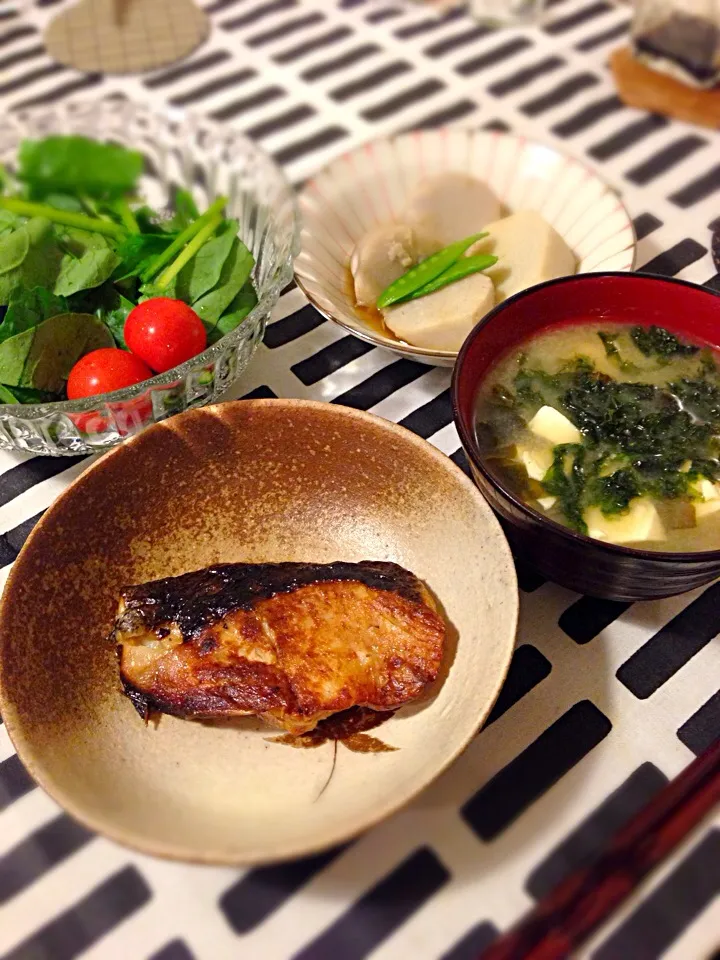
[(128, 416), (103, 371), (164, 333)]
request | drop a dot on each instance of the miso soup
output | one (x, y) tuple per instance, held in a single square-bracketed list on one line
[(612, 430)]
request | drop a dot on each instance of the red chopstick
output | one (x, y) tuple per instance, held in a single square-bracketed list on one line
[(565, 919)]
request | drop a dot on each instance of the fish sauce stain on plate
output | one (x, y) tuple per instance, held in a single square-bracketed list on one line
[(347, 728)]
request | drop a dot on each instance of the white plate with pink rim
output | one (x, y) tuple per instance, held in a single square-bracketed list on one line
[(369, 185)]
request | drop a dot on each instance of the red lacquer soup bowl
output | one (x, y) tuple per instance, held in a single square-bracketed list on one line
[(590, 566)]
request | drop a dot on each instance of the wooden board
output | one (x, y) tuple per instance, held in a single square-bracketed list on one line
[(639, 86)]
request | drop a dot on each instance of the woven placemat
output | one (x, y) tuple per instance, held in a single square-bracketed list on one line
[(126, 36)]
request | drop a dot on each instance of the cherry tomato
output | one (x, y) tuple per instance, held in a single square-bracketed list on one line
[(128, 417), (103, 371), (164, 332)]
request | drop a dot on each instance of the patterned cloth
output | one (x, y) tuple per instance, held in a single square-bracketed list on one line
[(604, 702)]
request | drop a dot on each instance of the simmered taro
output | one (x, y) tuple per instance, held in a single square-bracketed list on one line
[(429, 277), (611, 430)]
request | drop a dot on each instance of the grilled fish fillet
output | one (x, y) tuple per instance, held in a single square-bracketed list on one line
[(291, 643)]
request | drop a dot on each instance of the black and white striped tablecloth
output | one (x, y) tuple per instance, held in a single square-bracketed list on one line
[(604, 702)]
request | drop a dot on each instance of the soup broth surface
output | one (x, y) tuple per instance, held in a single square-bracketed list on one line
[(611, 430)]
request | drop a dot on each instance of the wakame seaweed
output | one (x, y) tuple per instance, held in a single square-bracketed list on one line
[(566, 480), (660, 343), (638, 438), (609, 341)]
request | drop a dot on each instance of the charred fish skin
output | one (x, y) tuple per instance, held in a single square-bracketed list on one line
[(194, 600), (142, 702), (291, 643)]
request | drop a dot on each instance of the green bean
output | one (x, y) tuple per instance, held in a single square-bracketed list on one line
[(456, 271), (425, 271)]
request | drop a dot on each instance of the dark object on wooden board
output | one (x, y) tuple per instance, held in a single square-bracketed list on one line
[(683, 43), (639, 86)]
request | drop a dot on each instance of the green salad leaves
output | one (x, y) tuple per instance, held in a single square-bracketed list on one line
[(77, 165), (79, 248)]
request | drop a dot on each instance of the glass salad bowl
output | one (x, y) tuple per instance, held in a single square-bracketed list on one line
[(181, 151)]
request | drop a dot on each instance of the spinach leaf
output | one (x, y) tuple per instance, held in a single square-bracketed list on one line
[(154, 221), (28, 308), (88, 261), (13, 249), (239, 308), (114, 318), (202, 273), (233, 276), (660, 343), (8, 221), (73, 164), (26, 395), (43, 356), (30, 395), (64, 201), (136, 251), (108, 304), (40, 263), (150, 289), (185, 210)]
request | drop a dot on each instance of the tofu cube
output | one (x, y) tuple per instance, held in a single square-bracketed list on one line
[(640, 524), (547, 503), (707, 489), (707, 507), (529, 251), (537, 462), (554, 426)]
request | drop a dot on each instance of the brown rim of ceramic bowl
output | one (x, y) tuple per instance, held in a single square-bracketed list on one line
[(469, 444), (168, 850)]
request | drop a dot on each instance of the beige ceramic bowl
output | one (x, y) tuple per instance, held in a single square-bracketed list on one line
[(371, 184), (248, 481)]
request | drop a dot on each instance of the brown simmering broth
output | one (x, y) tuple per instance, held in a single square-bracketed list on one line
[(643, 470), (370, 316)]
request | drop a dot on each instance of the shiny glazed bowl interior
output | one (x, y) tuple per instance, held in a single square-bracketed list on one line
[(590, 566), (251, 481), (181, 150)]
